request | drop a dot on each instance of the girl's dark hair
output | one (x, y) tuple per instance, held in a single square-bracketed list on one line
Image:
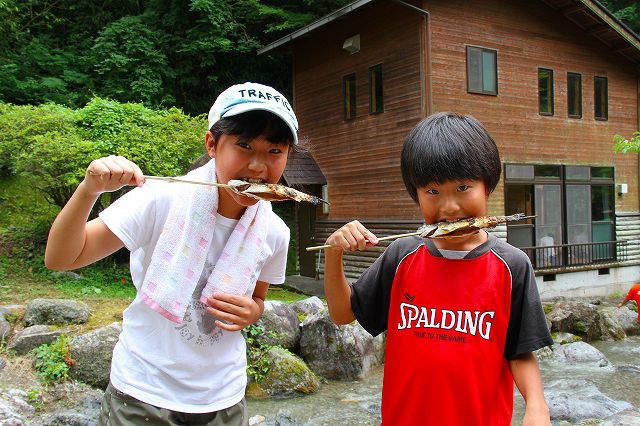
[(449, 146), (252, 124)]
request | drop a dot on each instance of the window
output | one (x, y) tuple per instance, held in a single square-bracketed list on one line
[(376, 99), (482, 70), (601, 98), (349, 96), (545, 91), (574, 95), (573, 205)]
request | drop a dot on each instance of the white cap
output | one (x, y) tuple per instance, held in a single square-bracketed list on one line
[(245, 97)]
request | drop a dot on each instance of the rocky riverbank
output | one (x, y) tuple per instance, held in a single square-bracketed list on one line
[(303, 350)]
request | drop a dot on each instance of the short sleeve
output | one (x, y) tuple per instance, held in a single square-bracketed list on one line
[(527, 330), (371, 293), (132, 217), (275, 267)]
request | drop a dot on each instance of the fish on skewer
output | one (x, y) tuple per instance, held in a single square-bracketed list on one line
[(455, 229), (259, 191)]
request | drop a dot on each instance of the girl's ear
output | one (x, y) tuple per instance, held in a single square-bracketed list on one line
[(210, 144)]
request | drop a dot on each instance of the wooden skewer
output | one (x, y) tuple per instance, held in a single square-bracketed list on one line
[(181, 180), (388, 237)]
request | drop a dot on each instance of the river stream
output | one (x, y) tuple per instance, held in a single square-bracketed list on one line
[(358, 402)]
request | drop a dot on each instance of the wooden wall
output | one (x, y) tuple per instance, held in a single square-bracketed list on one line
[(361, 158)]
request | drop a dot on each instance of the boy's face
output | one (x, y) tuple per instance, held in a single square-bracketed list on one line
[(257, 160), (453, 200)]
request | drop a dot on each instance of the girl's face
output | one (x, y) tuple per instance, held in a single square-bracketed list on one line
[(257, 160), (454, 200)]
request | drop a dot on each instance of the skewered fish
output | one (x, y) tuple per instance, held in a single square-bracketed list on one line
[(259, 191), (464, 227), (458, 228), (271, 192)]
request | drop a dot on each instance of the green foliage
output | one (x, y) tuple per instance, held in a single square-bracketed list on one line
[(627, 11), (50, 146), (150, 51), (53, 360), (257, 363), (620, 144)]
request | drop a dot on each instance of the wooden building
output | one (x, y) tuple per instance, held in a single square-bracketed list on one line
[(552, 80)]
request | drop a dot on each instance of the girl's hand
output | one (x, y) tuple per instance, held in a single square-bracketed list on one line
[(111, 173), (233, 312), (351, 237)]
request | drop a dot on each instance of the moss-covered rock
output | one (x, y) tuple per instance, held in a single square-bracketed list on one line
[(287, 375)]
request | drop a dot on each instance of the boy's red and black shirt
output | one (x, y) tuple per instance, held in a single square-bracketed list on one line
[(452, 326)]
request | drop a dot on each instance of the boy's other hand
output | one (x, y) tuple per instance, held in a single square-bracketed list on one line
[(111, 173), (233, 312), (351, 237)]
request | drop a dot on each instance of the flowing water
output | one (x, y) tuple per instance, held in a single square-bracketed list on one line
[(358, 403)]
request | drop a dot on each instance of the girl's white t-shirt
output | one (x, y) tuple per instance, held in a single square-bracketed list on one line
[(194, 366)]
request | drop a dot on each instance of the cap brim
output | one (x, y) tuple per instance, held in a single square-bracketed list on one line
[(252, 106)]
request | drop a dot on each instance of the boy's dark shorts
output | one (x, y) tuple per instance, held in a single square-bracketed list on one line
[(120, 409)]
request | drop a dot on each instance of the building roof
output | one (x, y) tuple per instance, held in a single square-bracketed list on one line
[(302, 169), (588, 15)]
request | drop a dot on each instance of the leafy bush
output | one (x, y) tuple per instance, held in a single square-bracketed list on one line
[(54, 360), (50, 146), (620, 144)]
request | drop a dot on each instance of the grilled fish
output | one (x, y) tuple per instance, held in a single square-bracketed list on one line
[(464, 227), (271, 192)]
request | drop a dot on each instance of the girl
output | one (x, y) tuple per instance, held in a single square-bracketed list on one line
[(202, 260)]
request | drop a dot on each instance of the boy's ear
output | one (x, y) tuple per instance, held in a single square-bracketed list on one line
[(210, 144)]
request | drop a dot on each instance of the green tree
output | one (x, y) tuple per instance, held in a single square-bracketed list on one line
[(620, 144)]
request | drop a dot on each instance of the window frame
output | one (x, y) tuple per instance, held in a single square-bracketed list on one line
[(482, 79), (604, 117), (578, 94), (375, 72), (551, 96), (349, 100)]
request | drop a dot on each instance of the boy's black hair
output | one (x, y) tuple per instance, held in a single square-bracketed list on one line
[(252, 124), (449, 146)]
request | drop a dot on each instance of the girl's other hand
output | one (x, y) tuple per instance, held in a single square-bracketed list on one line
[(351, 237), (233, 312), (111, 173)]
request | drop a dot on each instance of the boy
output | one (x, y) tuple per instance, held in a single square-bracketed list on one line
[(462, 314), (202, 260)]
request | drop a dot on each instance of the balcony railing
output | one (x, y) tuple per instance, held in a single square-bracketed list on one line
[(568, 255)]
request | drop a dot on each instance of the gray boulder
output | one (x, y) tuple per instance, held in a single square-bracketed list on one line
[(92, 353), (5, 329), (581, 353), (577, 318), (627, 318), (281, 324), (31, 337), (344, 352), (578, 400), (306, 307), (287, 375), (56, 311)]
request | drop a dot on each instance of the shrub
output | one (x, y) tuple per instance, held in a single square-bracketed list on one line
[(53, 360)]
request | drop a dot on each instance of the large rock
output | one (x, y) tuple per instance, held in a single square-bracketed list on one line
[(56, 311), (306, 307), (287, 374), (577, 400), (344, 352), (578, 318), (581, 353), (5, 329), (92, 353), (627, 318), (31, 337), (281, 325)]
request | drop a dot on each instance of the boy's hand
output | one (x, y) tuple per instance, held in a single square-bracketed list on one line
[(237, 311), (536, 416), (352, 236), (111, 173)]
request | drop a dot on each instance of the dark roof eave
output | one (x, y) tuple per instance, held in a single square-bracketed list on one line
[(314, 25)]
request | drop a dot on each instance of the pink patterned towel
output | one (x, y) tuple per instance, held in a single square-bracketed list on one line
[(179, 256)]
